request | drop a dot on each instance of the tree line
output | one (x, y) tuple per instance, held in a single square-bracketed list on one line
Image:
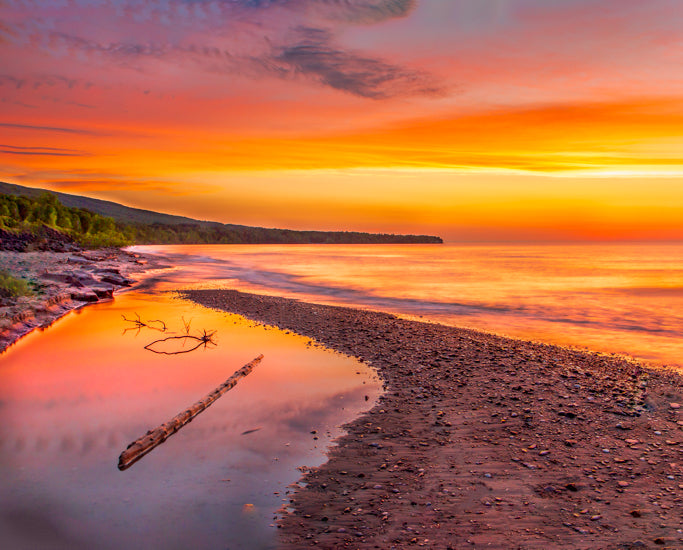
[(19, 214), (24, 214)]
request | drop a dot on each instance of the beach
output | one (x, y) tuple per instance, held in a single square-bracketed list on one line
[(484, 441), (477, 441), (62, 282)]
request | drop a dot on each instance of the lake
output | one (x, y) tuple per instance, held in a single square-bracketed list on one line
[(74, 395), (623, 298)]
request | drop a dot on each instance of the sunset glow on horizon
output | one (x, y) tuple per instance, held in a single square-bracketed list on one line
[(477, 120)]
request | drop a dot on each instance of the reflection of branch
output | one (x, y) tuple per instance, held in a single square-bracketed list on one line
[(163, 325), (139, 323), (202, 340)]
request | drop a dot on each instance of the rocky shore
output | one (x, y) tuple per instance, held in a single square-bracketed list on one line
[(482, 441), (61, 282)]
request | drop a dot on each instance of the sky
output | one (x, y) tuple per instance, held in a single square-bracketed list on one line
[(476, 120)]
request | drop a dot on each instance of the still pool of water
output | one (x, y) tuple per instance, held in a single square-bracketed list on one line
[(73, 396)]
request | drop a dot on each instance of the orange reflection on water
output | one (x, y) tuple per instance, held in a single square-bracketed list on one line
[(76, 394), (625, 298)]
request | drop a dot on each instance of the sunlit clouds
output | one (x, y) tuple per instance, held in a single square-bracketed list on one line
[(392, 115)]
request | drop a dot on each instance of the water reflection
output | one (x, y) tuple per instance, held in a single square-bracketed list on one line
[(613, 298), (75, 395)]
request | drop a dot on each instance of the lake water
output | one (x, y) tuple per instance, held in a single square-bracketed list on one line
[(75, 395), (626, 299)]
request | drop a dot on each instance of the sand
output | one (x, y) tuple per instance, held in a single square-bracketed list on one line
[(481, 441), (62, 282)]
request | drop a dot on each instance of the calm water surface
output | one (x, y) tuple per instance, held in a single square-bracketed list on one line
[(614, 298), (73, 396)]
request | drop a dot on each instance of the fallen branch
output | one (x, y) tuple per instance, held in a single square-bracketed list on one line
[(163, 325), (202, 340), (143, 445), (139, 323)]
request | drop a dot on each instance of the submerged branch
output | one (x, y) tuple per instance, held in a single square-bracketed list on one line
[(143, 445), (203, 339), (139, 323), (163, 325)]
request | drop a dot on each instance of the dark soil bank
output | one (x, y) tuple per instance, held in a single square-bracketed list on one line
[(483, 441)]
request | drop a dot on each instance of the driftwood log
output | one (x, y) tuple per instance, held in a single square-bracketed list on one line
[(143, 445)]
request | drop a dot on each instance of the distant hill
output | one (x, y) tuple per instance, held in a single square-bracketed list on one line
[(121, 213), (148, 227)]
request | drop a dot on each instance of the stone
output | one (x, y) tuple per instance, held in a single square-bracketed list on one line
[(84, 295), (103, 292), (117, 280)]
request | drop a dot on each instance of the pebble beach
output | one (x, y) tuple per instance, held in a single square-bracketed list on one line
[(481, 441)]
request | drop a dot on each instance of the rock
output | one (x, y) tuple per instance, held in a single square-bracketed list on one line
[(84, 295), (103, 292), (77, 260), (63, 278), (117, 280), (84, 277), (675, 405)]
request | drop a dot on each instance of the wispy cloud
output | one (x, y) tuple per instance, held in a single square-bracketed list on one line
[(63, 130), (365, 11), (287, 39), (315, 55), (44, 151)]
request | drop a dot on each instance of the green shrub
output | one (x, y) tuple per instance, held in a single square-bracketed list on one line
[(12, 285)]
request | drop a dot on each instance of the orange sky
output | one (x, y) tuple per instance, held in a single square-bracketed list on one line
[(489, 120)]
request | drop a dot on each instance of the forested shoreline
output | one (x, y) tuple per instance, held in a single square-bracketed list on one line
[(45, 218)]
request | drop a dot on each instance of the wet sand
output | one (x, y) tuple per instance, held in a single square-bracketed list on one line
[(62, 282), (483, 441)]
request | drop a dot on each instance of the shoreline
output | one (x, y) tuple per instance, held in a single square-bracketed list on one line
[(482, 440), (64, 282)]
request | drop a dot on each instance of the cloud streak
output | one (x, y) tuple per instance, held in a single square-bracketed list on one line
[(42, 151), (57, 129), (365, 12), (315, 56), (286, 39)]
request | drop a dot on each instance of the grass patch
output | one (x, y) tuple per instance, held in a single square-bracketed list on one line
[(12, 286)]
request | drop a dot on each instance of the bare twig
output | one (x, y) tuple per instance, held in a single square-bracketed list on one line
[(163, 325), (204, 339), (139, 323)]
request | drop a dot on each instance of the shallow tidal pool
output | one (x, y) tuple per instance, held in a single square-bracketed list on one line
[(75, 395)]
